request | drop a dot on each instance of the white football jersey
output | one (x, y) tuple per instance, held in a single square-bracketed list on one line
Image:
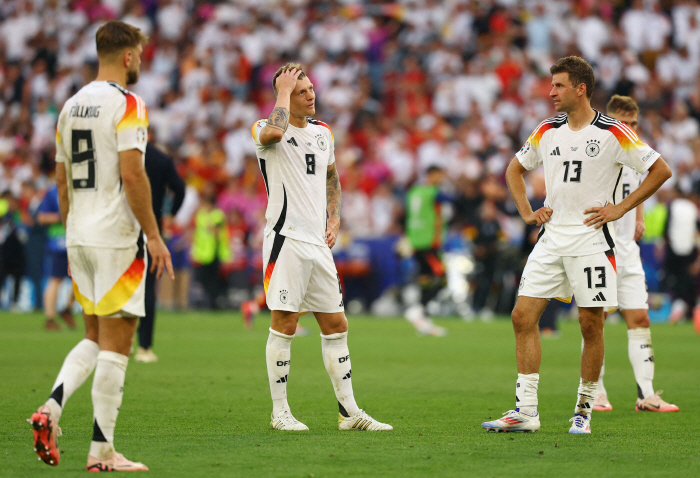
[(98, 122), (582, 170), (625, 226), (294, 171)]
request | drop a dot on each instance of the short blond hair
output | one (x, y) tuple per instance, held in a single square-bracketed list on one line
[(114, 36), (620, 103), (287, 67)]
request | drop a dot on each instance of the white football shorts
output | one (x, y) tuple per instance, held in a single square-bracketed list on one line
[(299, 276), (591, 279), (109, 282), (631, 281)]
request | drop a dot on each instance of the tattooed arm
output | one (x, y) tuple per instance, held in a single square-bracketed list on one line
[(333, 205), (278, 120)]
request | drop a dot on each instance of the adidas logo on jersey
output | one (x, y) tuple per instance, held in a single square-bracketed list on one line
[(283, 379), (555, 152), (293, 142), (347, 375), (599, 298)]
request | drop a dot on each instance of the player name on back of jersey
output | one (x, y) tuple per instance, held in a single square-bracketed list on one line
[(79, 111)]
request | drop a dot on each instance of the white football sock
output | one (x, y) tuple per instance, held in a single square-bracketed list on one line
[(601, 387), (336, 358), (107, 392), (77, 367), (278, 354), (641, 356), (526, 393), (586, 393)]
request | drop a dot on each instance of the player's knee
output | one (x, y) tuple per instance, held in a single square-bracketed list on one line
[(640, 321), (522, 320), (285, 323)]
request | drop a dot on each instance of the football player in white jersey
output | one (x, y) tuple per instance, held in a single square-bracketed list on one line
[(105, 203), (297, 161), (631, 284), (583, 153)]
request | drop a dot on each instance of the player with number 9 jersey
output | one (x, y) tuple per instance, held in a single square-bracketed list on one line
[(95, 125)]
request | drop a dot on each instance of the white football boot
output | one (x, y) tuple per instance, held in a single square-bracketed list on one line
[(514, 421), (286, 421), (361, 421), (581, 425)]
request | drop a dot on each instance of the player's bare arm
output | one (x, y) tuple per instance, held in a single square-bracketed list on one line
[(659, 173), (278, 121), (62, 185), (639, 226), (516, 186), (333, 200), (138, 193)]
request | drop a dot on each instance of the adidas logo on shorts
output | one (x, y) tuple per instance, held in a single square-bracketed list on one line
[(599, 298)]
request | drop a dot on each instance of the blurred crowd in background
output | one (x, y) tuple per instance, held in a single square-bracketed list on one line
[(404, 85)]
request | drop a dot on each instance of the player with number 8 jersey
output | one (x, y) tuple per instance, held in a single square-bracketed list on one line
[(297, 162)]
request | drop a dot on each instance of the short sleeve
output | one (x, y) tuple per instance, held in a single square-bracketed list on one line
[(61, 156), (255, 132), (132, 128), (632, 152), (529, 155), (331, 156)]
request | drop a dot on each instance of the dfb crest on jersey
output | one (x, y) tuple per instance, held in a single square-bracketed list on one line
[(592, 147), (283, 296), (141, 135), (321, 143)]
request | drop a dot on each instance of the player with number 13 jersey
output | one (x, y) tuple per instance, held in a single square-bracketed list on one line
[(582, 169)]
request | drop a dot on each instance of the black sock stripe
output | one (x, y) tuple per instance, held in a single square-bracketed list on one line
[(97, 434), (57, 395)]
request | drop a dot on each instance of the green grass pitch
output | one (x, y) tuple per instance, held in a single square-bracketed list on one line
[(204, 408)]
